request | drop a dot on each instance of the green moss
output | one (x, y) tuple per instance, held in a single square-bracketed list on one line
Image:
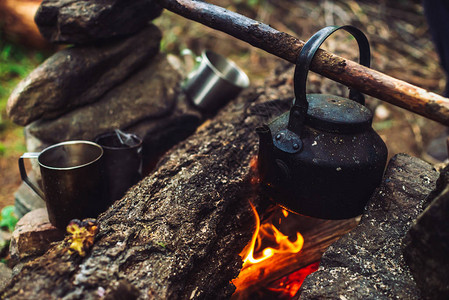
[(8, 218)]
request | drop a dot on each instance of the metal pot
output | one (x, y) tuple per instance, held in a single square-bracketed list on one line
[(322, 158)]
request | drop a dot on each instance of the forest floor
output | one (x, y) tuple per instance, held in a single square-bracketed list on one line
[(400, 43)]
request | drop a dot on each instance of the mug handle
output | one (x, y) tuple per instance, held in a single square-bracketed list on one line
[(194, 61), (24, 175)]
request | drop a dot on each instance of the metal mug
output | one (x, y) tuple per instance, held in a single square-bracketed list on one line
[(214, 82), (72, 179), (123, 162)]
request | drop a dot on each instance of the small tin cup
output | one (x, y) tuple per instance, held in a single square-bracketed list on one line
[(72, 178), (214, 82), (123, 161)]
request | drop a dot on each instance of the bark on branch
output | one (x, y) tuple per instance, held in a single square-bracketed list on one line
[(283, 45)]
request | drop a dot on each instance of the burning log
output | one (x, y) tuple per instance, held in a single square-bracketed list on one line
[(314, 236)]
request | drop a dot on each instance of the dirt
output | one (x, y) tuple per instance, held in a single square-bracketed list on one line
[(399, 38), (10, 176)]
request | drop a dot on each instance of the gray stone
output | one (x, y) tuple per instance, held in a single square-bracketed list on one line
[(33, 144), (79, 75), (149, 94), (33, 235), (426, 248), (5, 275), (368, 263), (87, 21)]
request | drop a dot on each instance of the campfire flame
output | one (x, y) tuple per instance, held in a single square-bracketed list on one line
[(267, 232), (268, 242)]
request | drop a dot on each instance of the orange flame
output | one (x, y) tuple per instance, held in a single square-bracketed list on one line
[(268, 232), (267, 241)]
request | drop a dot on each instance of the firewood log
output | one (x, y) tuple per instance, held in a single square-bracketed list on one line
[(178, 233)]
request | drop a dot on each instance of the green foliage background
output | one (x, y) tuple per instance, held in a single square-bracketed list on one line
[(15, 64)]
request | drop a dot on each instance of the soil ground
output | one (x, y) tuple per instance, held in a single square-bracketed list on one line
[(400, 43)]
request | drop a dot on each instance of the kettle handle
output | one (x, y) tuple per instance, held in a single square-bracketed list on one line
[(300, 105)]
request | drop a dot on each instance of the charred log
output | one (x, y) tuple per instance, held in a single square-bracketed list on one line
[(427, 243), (177, 234)]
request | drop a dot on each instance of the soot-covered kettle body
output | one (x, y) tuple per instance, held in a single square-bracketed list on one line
[(322, 158)]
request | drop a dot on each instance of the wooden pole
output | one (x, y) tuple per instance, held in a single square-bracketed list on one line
[(283, 45)]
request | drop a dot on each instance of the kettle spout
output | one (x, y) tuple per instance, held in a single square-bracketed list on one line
[(265, 137), (265, 158)]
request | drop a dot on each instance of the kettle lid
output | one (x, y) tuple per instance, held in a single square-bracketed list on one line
[(337, 114)]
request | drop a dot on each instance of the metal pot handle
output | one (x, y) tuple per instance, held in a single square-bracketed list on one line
[(300, 106)]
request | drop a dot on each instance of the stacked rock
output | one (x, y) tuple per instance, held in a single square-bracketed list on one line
[(111, 77)]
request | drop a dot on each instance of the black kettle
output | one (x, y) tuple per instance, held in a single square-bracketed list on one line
[(322, 158)]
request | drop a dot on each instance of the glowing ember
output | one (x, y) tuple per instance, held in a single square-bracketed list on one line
[(288, 286)]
